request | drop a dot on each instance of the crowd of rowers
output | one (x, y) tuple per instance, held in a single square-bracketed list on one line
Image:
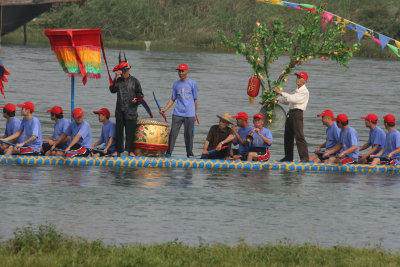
[(75, 138)]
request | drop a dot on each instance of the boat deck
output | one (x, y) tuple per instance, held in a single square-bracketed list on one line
[(175, 162)]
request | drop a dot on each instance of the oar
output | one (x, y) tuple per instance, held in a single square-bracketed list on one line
[(20, 147), (320, 153), (383, 158), (212, 151), (158, 105)]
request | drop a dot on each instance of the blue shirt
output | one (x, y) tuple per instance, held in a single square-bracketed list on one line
[(12, 126), (107, 131), (332, 136), (392, 143), (377, 137), (349, 138), (185, 93), (83, 130), (59, 128), (258, 141), (243, 133), (30, 128)]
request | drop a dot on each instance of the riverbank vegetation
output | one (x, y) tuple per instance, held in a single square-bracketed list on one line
[(171, 23), (45, 246)]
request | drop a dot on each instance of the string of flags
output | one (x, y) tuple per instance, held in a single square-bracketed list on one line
[(382, 40)]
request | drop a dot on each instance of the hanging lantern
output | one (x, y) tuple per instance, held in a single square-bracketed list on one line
[(253, 88)]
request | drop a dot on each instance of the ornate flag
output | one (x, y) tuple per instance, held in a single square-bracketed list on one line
[(3, 78)]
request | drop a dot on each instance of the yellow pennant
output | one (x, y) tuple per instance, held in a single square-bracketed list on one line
[(397, 43)]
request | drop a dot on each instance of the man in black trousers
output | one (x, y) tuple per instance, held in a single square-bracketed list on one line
[(128, 91), (297, 101)]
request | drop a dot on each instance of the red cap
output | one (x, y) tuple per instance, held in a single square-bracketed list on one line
[(241, 115), (77, 113), (389, 119), (341, 118), (56, 110), (183, 67), (303, 75), (121, 65), (327, 112), (10, 107), (371, 117), (27, 105), (258, 115), (103, 111)]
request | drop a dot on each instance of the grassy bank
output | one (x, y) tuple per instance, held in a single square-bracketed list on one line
[(44, 246), (171, 23)]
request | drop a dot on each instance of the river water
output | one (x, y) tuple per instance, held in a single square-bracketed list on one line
[(128, 205)]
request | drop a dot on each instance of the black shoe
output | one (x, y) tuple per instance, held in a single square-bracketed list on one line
[(285, 159)]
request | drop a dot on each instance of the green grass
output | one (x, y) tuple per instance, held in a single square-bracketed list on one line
[(194, 23), (44, 246)]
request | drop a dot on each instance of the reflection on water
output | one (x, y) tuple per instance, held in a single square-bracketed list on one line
[(157, 205)]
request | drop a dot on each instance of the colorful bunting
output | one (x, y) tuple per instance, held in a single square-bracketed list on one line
[(383, 40), (3, 73)]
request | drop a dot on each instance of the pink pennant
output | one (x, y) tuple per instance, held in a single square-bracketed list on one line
[(376, 40), (326, 17)]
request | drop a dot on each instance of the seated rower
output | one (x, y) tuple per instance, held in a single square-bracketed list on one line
[(261, 140), (376, 139), (332, 136), (81, 136), (391, 151), (107, 135), (30, 132), (60, 126), (347, 145), (12, 125), (218, 139), (240, 136)]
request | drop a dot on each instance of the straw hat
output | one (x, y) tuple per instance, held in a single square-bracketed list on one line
[(226, 117)]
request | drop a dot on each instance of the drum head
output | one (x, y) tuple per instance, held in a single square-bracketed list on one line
[(278, 118)]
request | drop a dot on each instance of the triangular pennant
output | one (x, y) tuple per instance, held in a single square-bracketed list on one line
[(384, 40), (360, 31), (394, 49), (350, 27), (376, 40), (397, 43), (307, 6), (292, 5), (326, 17)]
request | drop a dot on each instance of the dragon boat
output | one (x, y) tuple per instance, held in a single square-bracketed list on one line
[(177, 162)]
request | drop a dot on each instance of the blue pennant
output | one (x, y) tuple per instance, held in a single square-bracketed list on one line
[(360, 31), (290, 4), (384, 40)]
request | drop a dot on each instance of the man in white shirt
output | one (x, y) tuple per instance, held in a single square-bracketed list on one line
[(297, 101)]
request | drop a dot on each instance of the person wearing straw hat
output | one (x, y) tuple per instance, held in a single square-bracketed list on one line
[(219, 139), (377, 139), (297, 101), (12, 125), (185, 92)]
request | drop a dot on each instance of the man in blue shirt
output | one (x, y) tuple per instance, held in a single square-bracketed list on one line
[(30, 131), (332, 135), (185, 92), (12, 125), (347, 145), (377, 139), (107, 136), (240, 136), (391, 151), (81, 136), (262, 140), (61, 125)]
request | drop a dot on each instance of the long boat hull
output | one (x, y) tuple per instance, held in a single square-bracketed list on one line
[(157, 162)]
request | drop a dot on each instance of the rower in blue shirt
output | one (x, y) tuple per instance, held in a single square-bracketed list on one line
[(332, 136), (12, 125), (261, 140), (107, 136), (347, 145), (376, 140), (391, 151), (60, 126), (240, 136)]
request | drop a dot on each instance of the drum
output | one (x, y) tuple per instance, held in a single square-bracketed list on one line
[(151, 138)]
